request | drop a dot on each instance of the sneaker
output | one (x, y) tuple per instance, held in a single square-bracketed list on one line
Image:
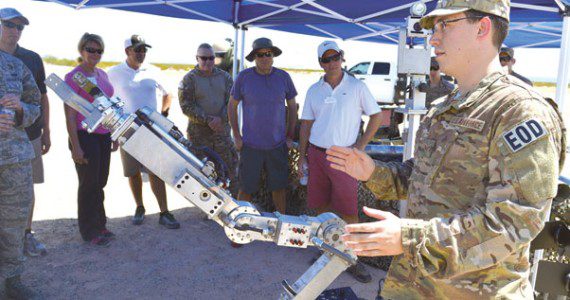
[(168, 220), (16, 290), (360, 273), (107, 234), (100, 241), (138, 218), (32, 247)]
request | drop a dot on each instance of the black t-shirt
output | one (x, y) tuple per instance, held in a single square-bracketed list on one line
[(34, 62)]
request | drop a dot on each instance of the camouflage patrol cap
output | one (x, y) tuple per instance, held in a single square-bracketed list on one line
[(498, 8)]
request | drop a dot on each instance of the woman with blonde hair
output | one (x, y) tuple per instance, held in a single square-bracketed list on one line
[(91, 152)]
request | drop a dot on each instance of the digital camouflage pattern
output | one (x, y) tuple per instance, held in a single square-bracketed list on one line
[(478, 192), (16, 152), (16, 192), (500, 8), (17, 79)]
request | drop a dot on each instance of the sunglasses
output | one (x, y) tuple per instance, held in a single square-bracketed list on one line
[(434, 69), (326, 60), (13, 25), (504, 58), (262, 54), (206, 58), (93, 50), (140, 50)]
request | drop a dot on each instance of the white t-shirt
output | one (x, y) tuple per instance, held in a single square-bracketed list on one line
[(337, 113), (137, 88)]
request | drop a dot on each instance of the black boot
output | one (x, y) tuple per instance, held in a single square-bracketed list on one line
[(16, 290)]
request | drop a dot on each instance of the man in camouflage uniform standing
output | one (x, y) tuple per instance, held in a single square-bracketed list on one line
[(204, 93), (507, 59), (438, 87), (19, 108), (485, 171)]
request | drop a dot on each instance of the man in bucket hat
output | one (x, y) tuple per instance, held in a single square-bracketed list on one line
[(483, 177), (268, 124)]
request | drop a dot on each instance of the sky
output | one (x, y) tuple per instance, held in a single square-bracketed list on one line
[(55, 31)]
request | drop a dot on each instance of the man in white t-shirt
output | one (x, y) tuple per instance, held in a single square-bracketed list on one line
[(331, 116), (135, 83)]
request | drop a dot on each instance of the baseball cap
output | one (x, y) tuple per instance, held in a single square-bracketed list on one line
[(499, 8), (9, 13), (327, 45), (136, 41)]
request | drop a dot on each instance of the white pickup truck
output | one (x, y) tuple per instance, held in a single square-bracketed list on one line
[(380, 77)]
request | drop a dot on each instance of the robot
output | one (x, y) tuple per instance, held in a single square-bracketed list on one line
[(202, 182)]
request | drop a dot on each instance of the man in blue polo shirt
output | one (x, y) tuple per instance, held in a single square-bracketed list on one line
[(268, 124)]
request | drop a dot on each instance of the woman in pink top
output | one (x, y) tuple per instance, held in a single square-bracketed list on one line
[(91, 152)]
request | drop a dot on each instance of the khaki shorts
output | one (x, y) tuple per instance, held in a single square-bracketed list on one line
[(37, 163), (131, 166)]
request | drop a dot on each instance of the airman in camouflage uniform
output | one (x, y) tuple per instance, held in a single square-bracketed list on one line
[(484, 175), (204, 93), (19, 108), (437, 86)]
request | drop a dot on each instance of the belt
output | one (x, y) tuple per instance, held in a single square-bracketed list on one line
[(318, 148)]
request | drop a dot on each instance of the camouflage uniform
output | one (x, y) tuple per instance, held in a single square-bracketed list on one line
[(485, 171), (444, 88), (16, 187), (193, 102)]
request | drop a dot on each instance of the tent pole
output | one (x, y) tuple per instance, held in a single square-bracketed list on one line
[(563, 65), (235, 54), (242, 49)]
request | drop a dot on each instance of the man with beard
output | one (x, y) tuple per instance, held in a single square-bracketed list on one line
[(136, 84)]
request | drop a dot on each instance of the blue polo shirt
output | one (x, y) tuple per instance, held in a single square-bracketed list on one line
[(263, 99)]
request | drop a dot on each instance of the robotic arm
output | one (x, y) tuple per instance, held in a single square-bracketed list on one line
[(202, 182)]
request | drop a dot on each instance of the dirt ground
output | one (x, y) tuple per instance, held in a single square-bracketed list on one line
[(149, 261)]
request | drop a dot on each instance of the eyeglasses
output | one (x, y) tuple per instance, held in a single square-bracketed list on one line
[(434, 69), (206, 58), (140, 50), (13, 25), (326, 60), (262, 54), (441, 25), (93, 50)]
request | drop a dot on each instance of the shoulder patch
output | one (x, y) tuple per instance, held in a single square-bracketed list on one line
[(468, 123), (524, 134)]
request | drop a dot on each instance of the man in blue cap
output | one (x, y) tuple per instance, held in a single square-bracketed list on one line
[(13, 24), (19, 108)]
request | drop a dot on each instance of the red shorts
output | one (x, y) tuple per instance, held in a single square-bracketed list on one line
[(328, 186)]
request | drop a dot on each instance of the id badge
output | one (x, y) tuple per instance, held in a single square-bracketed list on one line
[(330, 100)]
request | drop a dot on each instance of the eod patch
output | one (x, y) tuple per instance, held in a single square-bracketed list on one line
[(523, 134)]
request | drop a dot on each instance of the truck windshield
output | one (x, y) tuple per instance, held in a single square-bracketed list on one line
[(361, 68)]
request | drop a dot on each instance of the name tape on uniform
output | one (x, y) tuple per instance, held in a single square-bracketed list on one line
[(524, 134)]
